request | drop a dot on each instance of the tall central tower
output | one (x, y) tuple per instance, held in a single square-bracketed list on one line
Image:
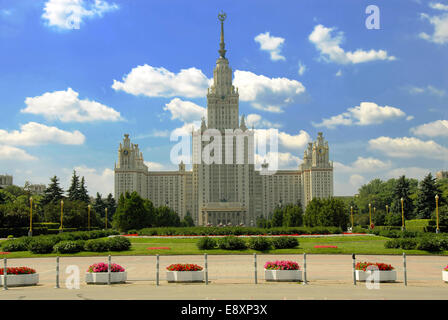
[(222, 97)]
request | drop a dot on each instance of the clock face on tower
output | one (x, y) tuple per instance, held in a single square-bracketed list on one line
[(125, 152), (321, 151)]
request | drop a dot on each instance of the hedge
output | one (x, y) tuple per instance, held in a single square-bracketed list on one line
[(285, 242), (232, 243), (235, 231), (431, 243), (259, 243)]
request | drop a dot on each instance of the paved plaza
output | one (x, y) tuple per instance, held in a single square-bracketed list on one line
[(232, 277)]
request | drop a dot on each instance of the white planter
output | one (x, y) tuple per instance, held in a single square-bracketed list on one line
[(376, 275), (102, 277), (18, 280), (445, 276), (283, 275), (185, 276)]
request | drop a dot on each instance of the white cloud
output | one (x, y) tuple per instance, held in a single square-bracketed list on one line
[(15, 154), (429, 89), (438, 6), (185, 111), (69, 14), (302, 68), (67, 107), (271, 44), (409, 148), (331, 51), (257, 121), (432, 129), (298, 141), (367, 113), (409, 172), (268, 94), (362, 165), (32, 134), (339, 73), (96, 181), (440, 23), (155, 166), (357, 180), (160, 82)]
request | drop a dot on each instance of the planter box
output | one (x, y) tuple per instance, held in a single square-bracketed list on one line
[(19, 280), (445, 276), (383, 276), (102, 277), (185, 276), (283, 275)]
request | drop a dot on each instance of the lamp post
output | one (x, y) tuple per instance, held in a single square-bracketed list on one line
[(387, 209), (402, 215), (437, 213), (88, 217), (374, 210), (351, 213), (30, 233), (106, 217), (370, 215), (62, 216)]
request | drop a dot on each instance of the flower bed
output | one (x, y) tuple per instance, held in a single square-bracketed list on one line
[(320, 247), (184, 273), (283, 270), (19, 276), (98, 274), (381, 272), (158, 248), (445, 274)]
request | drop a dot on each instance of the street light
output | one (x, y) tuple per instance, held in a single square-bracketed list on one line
[(62, 216), (437, 213), (351, 213), (370, 215), (30, 233), (402, 215), (106, 218), (387, 209), (88, 217)]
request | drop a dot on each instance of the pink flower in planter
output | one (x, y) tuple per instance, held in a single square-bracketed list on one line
[(103, 267), (282, 265)]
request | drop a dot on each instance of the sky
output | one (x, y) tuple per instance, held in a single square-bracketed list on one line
[(76, 75)]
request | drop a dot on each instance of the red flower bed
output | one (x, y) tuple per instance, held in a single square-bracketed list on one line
[(184, 267), (325, 246), (131, 235), (158, 248), (4, 252), (381, 266), (18, 270)]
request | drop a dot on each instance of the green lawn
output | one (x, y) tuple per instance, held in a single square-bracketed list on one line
[(346, 245)]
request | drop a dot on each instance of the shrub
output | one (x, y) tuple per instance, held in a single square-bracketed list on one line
[(20, 244), (103, 267), (392, 244), (408, 244), (432, 243), (10, 236), (259, 243), (206, 243), (232, 243), (69, 246), (96, 245), (285, 242), (282, 265), (119, 243), (183, 267), (41, 246), (132, 231)]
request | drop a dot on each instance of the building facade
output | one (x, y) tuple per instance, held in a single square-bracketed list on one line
[(5, 181), (224, 188)]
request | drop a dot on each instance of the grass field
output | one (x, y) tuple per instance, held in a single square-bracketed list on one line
[(346, 245)]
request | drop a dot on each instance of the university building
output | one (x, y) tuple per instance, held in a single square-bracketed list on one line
[(228, 192)]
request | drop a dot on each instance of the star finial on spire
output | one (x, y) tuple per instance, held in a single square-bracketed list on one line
[(221, 17)]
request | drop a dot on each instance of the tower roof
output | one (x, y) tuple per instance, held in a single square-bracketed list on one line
[(222, 52)]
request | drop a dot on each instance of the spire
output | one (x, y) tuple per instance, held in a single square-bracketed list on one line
[(222, 52), (243, 123)]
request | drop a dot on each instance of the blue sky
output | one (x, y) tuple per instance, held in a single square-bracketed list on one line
[(75, 75)]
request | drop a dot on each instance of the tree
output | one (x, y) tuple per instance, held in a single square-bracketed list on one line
[(293, 215), (312, 212), (83, 194), (277, 217), (73, 191), (53, 193), (426, 203), (111, 205), (99, 205), (188, 220), (131, 212), (403, 190), (75, 214), (326, 212), (166, 217)]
